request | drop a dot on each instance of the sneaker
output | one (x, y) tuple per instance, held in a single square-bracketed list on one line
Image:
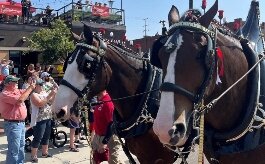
[(74, 145), (46, 155), (78, 141), (74, 150), (34, 160)]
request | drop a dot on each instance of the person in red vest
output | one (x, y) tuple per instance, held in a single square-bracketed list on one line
[(105, 145)]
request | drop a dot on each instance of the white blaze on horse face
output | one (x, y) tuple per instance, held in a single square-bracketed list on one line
[(65, 96), (165, 116)]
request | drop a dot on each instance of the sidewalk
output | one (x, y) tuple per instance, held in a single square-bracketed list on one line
[(60, 155), (64, 156)]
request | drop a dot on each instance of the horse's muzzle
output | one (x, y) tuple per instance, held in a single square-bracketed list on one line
[(176, 133)]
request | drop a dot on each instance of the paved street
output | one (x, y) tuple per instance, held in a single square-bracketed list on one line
[(64, 156)]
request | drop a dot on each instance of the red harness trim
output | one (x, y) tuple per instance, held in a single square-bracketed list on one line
[(221, 61)]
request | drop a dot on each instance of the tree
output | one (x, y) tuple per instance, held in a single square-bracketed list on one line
[(54, 43)]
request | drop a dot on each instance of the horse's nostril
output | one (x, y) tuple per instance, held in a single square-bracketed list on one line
[(180, 128), (171, 131), (60, 114)]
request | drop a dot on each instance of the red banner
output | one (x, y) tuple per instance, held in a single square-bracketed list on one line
[(100, 11), (8, 8)]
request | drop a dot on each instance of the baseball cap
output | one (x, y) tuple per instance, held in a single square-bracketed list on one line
[(44, 74), (39, 82), (11, 78)]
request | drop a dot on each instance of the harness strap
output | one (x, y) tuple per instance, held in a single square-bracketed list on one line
[(166, 86), (77, 91)]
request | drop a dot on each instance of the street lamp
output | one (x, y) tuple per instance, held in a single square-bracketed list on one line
[(110, 5), (73, 14)]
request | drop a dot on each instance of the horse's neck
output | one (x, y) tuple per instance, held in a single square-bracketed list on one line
[(127, 79), (227, 111)]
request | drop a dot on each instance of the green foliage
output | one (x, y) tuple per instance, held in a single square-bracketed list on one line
[(54, 43)]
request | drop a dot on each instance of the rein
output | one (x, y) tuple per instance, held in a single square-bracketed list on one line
[(125, 97)]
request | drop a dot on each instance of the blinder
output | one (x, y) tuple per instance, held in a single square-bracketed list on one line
[(87, 65), (172, 43), (155, 49)]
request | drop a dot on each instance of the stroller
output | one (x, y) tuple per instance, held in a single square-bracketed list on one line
[(58, 138)]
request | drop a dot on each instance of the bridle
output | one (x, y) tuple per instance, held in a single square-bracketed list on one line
[(210, 60), (88, 66), (198, 99), (210, 63)]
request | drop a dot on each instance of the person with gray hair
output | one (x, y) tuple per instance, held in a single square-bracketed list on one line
[(41, 118)]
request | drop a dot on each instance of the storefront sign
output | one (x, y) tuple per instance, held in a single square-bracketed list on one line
[(12, 9), (101, 11)]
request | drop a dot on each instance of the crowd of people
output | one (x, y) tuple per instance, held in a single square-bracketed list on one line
[(31, 105)]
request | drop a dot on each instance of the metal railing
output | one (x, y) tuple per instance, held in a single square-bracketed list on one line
[(69, 13)]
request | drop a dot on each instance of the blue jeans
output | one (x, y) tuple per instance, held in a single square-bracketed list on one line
[(15, 133), (41, 133)]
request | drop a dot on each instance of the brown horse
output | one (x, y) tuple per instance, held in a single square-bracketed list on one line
[(199, 64), (94, 67)]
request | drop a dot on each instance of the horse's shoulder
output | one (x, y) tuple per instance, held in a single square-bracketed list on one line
[(228, 40)]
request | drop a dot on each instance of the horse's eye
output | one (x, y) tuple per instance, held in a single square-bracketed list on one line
[(197, 38), (201, 53)]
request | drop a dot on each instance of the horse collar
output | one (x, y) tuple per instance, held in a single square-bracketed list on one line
[(143, 117)]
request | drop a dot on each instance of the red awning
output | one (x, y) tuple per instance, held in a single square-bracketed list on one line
[(9, 8)]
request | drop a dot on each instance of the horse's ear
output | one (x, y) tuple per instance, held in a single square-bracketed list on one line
[(206, 19), (173, 15), (76, 37), (88, 34)]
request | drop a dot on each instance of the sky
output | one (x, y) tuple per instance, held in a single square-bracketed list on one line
[(155, 10)]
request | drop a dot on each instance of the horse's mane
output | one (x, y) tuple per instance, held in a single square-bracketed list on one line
[(127, 51)]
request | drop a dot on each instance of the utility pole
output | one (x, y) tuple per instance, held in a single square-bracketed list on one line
[(145, 31), (190, 4), (145, 25)]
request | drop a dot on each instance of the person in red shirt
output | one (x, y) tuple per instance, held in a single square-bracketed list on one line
[(14, 112), (101, 143)]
